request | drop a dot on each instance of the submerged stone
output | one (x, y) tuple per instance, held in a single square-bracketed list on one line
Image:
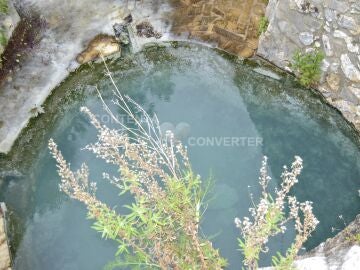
[(182, 130), (167, 127), (267, 73), (223, 197)]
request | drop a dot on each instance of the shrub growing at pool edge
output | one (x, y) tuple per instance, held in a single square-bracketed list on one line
[(269, 217), (161, 228), (308, 66)]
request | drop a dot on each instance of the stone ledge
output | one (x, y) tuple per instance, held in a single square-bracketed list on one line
[(5, 262), (337, 253)]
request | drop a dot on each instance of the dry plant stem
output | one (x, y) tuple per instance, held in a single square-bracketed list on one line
[(154, 168), (77, 186), (154, 142), (269, 218)]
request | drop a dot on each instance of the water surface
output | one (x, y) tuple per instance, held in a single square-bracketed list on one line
[(209, 99)]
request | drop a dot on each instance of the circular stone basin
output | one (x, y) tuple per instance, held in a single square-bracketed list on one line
[(229, 117)]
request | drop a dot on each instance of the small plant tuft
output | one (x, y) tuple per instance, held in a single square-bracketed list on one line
[(308, 66), (263, 25), (3, 39), (354, 238), (4, 6)]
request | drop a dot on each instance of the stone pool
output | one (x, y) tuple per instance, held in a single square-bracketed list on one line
[(227, 114)]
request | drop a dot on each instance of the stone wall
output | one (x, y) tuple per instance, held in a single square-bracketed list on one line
[(331, 25), (334, 27)]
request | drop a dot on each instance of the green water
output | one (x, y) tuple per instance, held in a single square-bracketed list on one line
[(209, 99)]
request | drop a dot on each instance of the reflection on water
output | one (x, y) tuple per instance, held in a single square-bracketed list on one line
[(227, 115)]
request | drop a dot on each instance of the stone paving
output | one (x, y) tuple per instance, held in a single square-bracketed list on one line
[(232, 25)]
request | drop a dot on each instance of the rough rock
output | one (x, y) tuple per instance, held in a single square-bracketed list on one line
[(121, 30), (349, 69), (352, 259), (101, 45), (333, 81), (145, 29), (356, 92), (306, 38), (327, 46), (350, 44), (305, 6), (341, 252), (348, 23), (121, 33), (325, 66), (318, 263)]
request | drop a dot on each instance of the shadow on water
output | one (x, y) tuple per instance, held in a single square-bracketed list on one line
[(294, 121)]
